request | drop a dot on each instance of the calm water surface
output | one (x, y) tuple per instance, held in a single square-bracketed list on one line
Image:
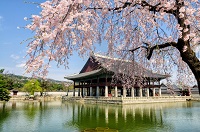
[(69, 117)]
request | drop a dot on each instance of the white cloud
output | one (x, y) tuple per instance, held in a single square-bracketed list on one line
[(20, 65), (15, 57)]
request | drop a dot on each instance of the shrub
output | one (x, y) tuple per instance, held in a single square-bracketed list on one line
[(4, 94)]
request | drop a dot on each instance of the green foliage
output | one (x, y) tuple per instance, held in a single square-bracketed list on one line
[(17, 82), (70, 87), (32, 86), (56, 87), (2, 81), (52, 86), (4, 94), (1, 70), (44, 85), (5, 81)]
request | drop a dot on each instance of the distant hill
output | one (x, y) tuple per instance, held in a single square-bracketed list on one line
[(21, 78), (17, 82)]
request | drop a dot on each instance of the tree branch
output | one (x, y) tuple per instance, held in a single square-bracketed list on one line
[(151, 49), (154, 8), (132, 50), (125, 4)]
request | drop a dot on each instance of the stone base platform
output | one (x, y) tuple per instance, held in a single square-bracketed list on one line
[(128, 100)]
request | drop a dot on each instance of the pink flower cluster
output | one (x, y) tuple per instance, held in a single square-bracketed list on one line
[(64, 26)]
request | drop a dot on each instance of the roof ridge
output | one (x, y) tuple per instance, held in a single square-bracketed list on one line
[(108, 57)]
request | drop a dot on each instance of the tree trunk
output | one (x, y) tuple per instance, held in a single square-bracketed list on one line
[(191, 59)]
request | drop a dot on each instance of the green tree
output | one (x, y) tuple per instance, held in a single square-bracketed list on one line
[(2, 81), (45, 84), (18, 85), (9, 83), (56, 87), (4, 94), (1, 70), (32, 86), (4, 86)]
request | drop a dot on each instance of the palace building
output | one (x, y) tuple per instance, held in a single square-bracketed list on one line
[(97, 80)]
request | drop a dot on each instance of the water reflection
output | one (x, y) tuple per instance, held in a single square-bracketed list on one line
[(72, 117), (3, 114), (124, 118)]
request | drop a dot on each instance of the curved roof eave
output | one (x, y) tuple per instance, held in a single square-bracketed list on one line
[(84, 75)]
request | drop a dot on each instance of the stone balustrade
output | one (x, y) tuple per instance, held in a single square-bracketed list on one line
[(131, 100)]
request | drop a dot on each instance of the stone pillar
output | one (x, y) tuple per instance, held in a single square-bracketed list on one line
[(132, 92), (116, 92), (97, 91), (154, 92), (106, 91), (147, 92), (124, 92), (140, 91), (160, 92), (90, 91)]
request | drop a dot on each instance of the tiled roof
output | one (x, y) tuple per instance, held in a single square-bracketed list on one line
[(116, 65), (123, 64), (84, 75)]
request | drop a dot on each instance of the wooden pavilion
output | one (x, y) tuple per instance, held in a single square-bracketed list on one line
[(97, 80)]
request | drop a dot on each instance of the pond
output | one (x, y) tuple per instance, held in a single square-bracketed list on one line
[(57, 116)]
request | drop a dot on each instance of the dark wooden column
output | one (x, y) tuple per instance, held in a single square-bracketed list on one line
[(74, 89), (149, 83), (82, 89), (79, 89)]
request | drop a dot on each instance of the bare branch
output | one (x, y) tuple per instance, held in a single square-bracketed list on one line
[(156, 7), (151, 49), (143, 3), (125, 4), (132, 50)]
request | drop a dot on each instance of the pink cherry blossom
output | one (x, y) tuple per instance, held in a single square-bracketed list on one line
[(67, 26), (187, 22)]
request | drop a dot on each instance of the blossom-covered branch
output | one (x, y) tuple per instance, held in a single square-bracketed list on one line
[(67, 26)]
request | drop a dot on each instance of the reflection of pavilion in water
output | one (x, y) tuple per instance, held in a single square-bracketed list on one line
[(118, 117)]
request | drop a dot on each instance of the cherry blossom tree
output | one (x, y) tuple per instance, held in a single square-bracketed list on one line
[(166, 32)]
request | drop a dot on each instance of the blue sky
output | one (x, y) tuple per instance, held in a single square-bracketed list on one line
[(12, 53)]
